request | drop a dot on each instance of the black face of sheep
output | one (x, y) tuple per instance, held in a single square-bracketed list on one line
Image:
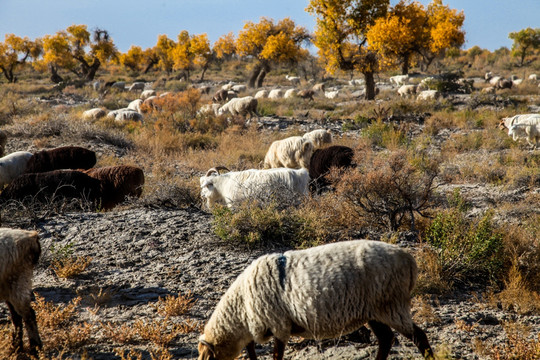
[(323, 160), (66, 157)]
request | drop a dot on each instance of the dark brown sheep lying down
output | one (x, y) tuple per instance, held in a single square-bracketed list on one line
[(60, 184), (118, 182), (66, 157)]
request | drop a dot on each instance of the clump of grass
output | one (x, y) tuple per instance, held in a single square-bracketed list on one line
[(70, 267), (174, 305), (468, 249), (518, 344)]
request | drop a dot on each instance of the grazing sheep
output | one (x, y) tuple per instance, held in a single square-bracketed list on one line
[(533, 77), (488, 90), (205, 89), (120, 85), (261, 94), (517, 82), (128, 114), (306, 94), (318, 87), (295, 80), (323, 160), (3, 141), (135, 105), (117, 183), (275, 94), (139, 85), (228, 86), (147, 93), (292, 152), (331, 94), (208, 109), (488, 76), (149, 103), (231, 94), (494, 80), (318, 293), (13, 165), (504, 84), (527, 119), (96, 85), (290, 93), (407, 90), (19, 253), (57, 184), (235, 187), (66, 157), (356, 82), (220, 96), (240, 106), (239, 88), (319, 137), (399, 80), (527, 131), (94, 114), (428, 95)]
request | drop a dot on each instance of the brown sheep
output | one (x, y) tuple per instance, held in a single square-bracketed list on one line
[(19, 253), (306, 94), (66, 157), (323, 160), (220, 96), (57, 184), (118, 182)]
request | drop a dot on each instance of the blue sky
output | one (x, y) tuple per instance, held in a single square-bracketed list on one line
[(137, 22)]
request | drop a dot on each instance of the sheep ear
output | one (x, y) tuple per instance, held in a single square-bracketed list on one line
[(205, 348)]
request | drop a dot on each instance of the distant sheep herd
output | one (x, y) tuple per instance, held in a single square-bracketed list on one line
[(318, 293)]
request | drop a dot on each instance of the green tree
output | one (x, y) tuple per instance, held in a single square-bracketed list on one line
[(524, 41), (340, 36), (15, 51), (268, 42)]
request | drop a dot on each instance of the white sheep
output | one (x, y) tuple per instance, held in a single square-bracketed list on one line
[(93, 114), (3, 141), (208, 109), (275, 94), (147, 93), (13, 165), (295, 80), (19, 253), (428, 95), (120, 85), (318, 87), (527, 119), (239, 88), (261, 94), (527, 131), (292, 152), (318, 293), (533, 77), (319, 137), (356, 82), (125, 114), (407, 90), (290, 93), (494, 80), (139, 85), (227, 86), (331, 94), (399, 80), (135, 105), (235, 187), (240, 106)]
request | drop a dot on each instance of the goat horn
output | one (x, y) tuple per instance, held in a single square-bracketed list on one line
[(216, 169)]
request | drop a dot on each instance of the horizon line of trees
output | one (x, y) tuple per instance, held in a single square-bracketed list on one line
[(367, 36)]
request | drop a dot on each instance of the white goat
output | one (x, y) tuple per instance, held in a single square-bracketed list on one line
[(19, 253), (13, 165), (318, 293), (295, 80), (292, 152), (234, 187)]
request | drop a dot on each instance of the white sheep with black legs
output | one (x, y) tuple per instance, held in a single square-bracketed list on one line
[(13, 165), (19, 253), (318, 293)]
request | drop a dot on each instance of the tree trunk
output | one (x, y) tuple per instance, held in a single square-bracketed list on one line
[(370, 85), (262, 74), (55, 78), (91, 72), (254, 75), (8, 73), (149, 66), (205, 67), (405, 65)]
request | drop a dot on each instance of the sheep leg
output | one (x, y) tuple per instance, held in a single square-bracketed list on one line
[(279, 349), (251, 351), (421, 341), (16, 319), (385, 337), (30, 322)]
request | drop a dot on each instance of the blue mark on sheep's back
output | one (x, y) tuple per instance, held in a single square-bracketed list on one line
[(282, 264)]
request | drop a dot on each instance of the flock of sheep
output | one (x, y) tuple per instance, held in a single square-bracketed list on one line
[(278, 295)]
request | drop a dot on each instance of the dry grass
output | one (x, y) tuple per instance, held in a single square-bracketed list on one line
[(70, 267), (174, 305), (519, 344)]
